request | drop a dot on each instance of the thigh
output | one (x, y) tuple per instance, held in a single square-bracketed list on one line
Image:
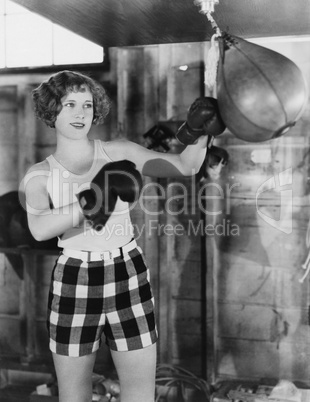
[(130, 316), (74, 377), (75, 307), (136, 370)]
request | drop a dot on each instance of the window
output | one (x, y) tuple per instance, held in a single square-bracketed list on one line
[(29, 40)]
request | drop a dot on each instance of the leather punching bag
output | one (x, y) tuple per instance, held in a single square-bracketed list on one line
[(261, 94)]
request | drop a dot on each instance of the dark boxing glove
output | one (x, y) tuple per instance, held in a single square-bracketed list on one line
[(203, 118), (115, 179)]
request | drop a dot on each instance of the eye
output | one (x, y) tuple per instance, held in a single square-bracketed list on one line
[(69, 104), (88, 106)]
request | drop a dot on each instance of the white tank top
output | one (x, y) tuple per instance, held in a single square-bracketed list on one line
[(62, 187)]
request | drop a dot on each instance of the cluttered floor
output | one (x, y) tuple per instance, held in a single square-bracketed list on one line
[(14, 393), (18, 386), (24, 386), (183, 389)]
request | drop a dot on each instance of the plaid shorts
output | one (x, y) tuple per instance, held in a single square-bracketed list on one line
[(111, 297)]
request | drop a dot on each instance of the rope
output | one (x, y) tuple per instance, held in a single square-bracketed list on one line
[(207, 8), (214, 25), (211, 64)]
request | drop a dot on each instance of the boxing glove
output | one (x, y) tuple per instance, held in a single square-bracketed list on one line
[(116, 179), (203, 118)]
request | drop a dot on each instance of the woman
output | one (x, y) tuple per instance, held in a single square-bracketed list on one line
[(100, 283)]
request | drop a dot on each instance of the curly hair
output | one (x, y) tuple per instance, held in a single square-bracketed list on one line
[(47, 96)]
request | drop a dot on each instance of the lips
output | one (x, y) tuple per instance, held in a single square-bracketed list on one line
[(77, 125)]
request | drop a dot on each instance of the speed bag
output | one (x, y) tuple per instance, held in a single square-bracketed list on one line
[(261, 94)]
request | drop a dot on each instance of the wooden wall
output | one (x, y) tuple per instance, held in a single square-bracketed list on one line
[(228, 306), (152, 88), (257, 310), (262, 325)]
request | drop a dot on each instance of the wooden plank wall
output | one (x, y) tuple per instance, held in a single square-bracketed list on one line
[(262, 307), (153, 88), (257, 309), (262, 326)]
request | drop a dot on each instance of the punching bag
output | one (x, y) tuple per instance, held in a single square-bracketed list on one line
[(261, 94)]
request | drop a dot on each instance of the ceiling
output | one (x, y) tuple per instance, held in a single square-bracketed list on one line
[(112, 23)]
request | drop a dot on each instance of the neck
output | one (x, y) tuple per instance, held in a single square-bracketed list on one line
[(72, 148)]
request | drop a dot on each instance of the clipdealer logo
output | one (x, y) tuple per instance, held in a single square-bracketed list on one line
[(281, 182)]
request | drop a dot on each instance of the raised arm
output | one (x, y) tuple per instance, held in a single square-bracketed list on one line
[(158, 164), (203, 121)]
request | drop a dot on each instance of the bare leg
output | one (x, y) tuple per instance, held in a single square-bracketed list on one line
[(136, 371), (74, 377)]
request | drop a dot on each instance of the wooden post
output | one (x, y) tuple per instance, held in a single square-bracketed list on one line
[(164, 272), (209, 275)]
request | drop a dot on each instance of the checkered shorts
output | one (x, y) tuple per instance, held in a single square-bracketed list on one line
[(111, 297)]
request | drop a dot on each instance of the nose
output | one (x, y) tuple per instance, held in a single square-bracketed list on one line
[(79, 112)]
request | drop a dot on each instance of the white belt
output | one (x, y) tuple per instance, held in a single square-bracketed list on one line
[(99, 255)]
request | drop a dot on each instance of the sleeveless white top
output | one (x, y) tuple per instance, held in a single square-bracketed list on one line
[(62, 187)]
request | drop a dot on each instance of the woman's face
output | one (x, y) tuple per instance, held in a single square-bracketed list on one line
[(76, 116)]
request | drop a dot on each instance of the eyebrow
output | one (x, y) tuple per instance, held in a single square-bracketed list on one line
[(74, 100)]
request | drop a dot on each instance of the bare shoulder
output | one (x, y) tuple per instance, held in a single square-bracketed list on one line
[(36, 175), (37, 167)]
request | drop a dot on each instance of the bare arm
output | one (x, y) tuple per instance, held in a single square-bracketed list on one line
[(158, 164), (44, 222)]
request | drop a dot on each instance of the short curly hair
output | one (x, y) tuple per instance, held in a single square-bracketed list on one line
[(47, 96)]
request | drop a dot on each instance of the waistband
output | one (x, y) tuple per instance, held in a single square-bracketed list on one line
[(100, 255)]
